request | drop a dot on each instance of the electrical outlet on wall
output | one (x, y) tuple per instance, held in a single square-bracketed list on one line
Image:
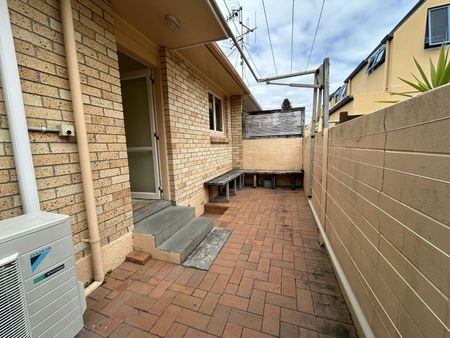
[(66, 129)]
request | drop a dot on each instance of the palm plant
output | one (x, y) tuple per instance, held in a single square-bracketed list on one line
[(439, 76)]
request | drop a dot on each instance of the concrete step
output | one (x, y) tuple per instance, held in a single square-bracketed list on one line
[(158, 228), (150, 209), (183, 242)]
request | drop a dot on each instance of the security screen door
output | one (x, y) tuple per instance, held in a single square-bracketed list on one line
[(139, 115)]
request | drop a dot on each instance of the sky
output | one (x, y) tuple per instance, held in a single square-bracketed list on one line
[(348, 32)]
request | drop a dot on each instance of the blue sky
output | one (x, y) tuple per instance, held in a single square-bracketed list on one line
[(348, 32)]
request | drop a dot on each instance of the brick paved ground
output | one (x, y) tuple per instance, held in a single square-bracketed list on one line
[(271, 279)]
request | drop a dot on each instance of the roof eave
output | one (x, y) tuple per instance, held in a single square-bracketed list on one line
[(346, 100)]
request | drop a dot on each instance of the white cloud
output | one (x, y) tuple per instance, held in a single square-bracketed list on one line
[(348, 32)]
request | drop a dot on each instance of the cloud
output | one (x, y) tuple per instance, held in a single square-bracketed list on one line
[(348, 32)]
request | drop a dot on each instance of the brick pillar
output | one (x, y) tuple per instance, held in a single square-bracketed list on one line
[(166, 77), (236, 130)]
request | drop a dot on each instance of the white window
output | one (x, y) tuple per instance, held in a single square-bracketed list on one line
[(215, 113), (376, 59), (437, 31)]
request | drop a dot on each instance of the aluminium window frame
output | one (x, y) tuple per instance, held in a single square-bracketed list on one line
[(341, 92), (372, 63), (428, 43), (214, 96)]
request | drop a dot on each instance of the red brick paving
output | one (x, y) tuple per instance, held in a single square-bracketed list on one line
[(271, 279)]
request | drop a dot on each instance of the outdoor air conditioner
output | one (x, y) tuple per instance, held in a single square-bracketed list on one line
[(39, 292)]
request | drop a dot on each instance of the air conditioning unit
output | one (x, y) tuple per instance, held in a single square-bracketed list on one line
[(39, 292)]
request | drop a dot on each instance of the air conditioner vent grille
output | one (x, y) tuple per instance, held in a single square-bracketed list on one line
[(13, 311)]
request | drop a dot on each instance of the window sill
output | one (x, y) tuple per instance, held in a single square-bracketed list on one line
[(219, 139)]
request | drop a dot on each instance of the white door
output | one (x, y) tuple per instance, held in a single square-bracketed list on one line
[(142, 145)]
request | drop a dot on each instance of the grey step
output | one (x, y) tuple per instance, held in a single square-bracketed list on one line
[(187, 238), (148, 210), (165, 223)]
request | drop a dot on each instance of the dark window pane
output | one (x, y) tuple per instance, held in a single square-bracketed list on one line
[(211, 111), (438, 25), (219, 122), (376, 59)]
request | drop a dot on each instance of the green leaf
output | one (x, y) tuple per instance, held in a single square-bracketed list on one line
[(446, 75), (421, 84), (415, 86), (440, 68), (405, 94), (422, 73), (433, 74)]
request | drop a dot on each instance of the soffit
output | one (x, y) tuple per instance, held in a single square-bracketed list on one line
[(215, 66), (198, 22)]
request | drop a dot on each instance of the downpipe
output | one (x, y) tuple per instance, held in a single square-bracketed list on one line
[(83, 144)]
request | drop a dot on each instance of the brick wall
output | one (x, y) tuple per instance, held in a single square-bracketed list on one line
[(236, 130), (195, 155), (38, 39), (273, 154), (385, 202)]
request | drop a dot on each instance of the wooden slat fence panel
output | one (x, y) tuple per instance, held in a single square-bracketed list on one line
[(275, 123)]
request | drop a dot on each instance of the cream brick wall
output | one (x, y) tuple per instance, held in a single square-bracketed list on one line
[(38, 39), (273, 154), (195, 154), (236, 130), (387, 213)]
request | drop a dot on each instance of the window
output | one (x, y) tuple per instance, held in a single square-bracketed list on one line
[(215, 113), (437, 30), (376, 59), (341, 93)]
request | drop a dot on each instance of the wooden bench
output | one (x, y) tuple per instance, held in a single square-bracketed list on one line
[(273, 173), (224, 181)]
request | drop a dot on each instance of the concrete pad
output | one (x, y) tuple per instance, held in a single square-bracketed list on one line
[(205, 254)]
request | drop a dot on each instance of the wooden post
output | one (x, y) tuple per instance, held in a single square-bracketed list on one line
[(254, 181), (228, 192)]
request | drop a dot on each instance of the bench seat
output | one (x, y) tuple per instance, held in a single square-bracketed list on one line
[(224, 181)]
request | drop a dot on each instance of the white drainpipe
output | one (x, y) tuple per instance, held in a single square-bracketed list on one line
[(15, 111)]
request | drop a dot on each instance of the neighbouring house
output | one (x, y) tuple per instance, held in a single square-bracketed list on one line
[(163, 111), (419, 34)]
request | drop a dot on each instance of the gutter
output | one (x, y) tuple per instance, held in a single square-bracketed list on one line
[(83, 144), (15, 112), (222, 59), (356, 307), (342, 103)]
